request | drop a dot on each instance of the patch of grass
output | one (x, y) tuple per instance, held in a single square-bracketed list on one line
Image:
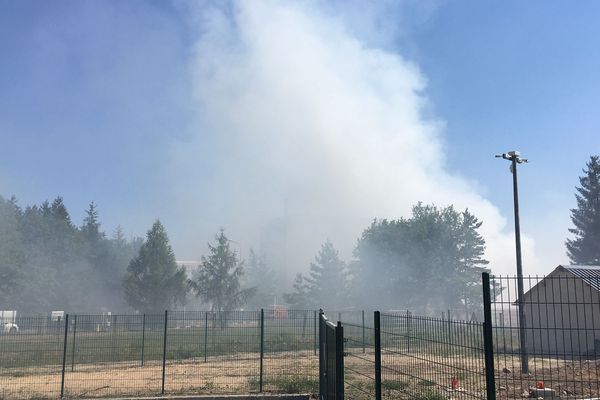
[(431, 395), (286, 384), (394, 385), (427, 382)]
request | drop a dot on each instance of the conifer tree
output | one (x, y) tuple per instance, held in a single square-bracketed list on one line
[(217, 280), (584, 248), (154, 282)]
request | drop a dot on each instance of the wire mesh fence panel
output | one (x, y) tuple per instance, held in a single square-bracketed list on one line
[(359, 364), (31, 358), (433, 358), (555, 352), (114, 355), (290, 363), (213, 352)]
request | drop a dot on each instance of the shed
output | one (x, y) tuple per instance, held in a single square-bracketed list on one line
[(562, 313)]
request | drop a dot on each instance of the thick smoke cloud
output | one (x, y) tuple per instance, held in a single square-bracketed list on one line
[(306, 131)]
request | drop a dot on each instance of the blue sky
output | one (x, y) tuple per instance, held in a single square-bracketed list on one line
[(95, 96)]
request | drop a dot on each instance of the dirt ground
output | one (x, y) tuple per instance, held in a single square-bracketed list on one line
[(237, 374), (403, 377)]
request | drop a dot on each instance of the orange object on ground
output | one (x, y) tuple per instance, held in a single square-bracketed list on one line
[(455, 383), (540, 385)]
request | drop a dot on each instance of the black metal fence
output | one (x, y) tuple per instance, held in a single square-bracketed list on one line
[(331, 359), (173, 353), (559, 355), (363, 356)]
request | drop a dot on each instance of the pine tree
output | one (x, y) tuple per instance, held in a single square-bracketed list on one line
[(327, 278), (259, 276), (11, 254), (299, 298), (326, 284), (217, 280), (154, 282), (584, 249), (91, 225)]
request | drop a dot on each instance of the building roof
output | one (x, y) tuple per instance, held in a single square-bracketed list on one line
[(590, 274)]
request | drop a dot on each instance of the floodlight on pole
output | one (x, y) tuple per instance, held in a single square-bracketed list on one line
[(515, 158)]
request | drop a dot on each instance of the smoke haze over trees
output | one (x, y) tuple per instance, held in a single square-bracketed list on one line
[(584, 249), (48, 263), (326, 285), (432, 260)]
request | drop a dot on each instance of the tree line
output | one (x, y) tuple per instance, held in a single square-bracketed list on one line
[(431, 260)]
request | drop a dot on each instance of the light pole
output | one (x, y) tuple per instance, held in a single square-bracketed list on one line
[(515, 158)]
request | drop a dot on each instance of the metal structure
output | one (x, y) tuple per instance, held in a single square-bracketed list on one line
[(515, 158), (331, 359)]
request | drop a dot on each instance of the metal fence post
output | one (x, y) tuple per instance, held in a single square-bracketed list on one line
[(164, 360), (488, 339), (377, 331), (262, 347), (315, 333), (143, 336), (363, 330), (73, 348), (64, 360), (408, 331), (205, 333), (339, 362), (322, 377)]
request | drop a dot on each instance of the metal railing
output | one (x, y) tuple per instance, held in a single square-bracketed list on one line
[(149, 354)]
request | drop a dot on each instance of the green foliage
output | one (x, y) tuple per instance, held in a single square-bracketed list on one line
[(388, 384), (154, 282), (286, 384), (432, 260), (259, 277), (326, 284), (217, 281), (48, 263), (584, 249)]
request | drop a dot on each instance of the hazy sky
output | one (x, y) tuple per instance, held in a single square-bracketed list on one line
[(215, 114)]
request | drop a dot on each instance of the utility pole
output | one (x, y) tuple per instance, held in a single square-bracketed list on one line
[(515, 158)]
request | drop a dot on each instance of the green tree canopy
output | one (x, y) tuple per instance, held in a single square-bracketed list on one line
[(48, 263), (432, 260), (326, 285), (261, 277), (584, 248), (154, 282), (217, 280)]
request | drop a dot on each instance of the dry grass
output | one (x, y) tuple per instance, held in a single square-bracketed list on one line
[(403, 377), (224, 374)]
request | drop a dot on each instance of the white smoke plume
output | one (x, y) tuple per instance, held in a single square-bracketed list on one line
[(306, 132)]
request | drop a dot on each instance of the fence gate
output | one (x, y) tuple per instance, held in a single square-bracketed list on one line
[(331, 359)]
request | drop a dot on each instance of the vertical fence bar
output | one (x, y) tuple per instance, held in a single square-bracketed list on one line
[(339, 362), (488, 339), (205, 333), (322, 376), (363, 330), (73, 348), (315, 332), (64, 360), (262, 347), (377, 331), (408, 331), (164, 358), (143, 336)]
